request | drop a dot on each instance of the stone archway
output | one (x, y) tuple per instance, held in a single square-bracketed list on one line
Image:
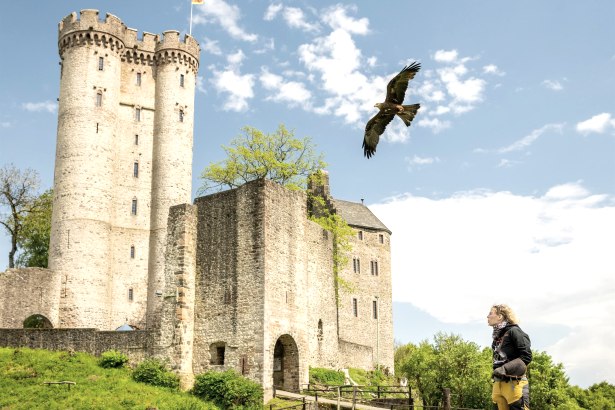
[(37, 322), (286, 364)]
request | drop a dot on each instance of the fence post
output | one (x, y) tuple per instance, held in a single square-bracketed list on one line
[(354, 397), (378, 391), (447, 399), (339, 394)]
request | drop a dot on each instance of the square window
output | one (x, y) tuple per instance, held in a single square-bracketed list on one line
[(101, 63), (139, 79)]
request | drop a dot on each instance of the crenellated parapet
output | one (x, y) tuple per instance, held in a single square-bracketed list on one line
[(89, 30), (112, 34), (172, 50)]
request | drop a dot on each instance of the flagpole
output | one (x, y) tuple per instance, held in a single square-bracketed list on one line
[(191, 5)]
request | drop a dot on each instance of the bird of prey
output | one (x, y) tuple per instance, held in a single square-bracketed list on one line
[(392, 106)]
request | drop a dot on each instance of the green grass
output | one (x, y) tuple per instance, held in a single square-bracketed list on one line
[(23, 372)]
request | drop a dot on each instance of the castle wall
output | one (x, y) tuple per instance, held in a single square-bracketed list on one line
[(27, 292), (133, 344), (367, 288), (230, 282)]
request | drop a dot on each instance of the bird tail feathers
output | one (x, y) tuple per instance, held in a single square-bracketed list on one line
[(407, 115)]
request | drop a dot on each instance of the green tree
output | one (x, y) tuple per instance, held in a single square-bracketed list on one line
[(34, 236), (450, 362), (549, 387), (279, 157), (17, 196)]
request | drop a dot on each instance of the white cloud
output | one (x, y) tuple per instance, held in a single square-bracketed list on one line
[(211, 46), (238, 88), (226, 16), (49, 106), (507, 163), (492, 69), (531, 138), (5, 124), (443, 56), (553, 85), (236, 59), (292, 92), (435, 124), (549, 257), (295, 18), (599, 124), (337, 18), (416, 160), (272, 11)]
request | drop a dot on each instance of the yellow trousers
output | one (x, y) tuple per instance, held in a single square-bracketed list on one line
[(511, 395)]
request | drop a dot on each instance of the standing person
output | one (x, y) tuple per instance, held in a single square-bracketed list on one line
[(511, 355)]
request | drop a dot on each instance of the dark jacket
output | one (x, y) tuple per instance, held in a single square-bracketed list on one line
[(511, 343)]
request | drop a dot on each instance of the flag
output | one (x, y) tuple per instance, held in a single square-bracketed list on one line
[(198, 1)]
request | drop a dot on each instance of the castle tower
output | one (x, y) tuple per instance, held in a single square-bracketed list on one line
[(83, 181), (176, 66), (123, 156)]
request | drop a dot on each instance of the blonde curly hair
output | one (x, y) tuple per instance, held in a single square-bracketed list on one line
[(507, 313)]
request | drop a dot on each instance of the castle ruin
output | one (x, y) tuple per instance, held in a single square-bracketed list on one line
[(240, 279)]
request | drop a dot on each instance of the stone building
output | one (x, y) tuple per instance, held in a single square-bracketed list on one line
[(240, 279)]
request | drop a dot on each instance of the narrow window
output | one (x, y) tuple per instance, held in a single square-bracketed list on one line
[(376, 268), (135, 170), (96, 128), (319, 335), (134, 207), (354, 265), (181, 80), (375, 308), (360, 235), (138, 114), (99, 99), (358, 265), (220, 354), (130, 295), (181, 115), (101, 63), (355, 308), (381, 238), (136, 140), (132, 252), (139, 79)]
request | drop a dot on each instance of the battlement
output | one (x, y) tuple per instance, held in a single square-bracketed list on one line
[(88, 27)]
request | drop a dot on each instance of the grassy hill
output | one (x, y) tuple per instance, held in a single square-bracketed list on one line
[(23, 372)]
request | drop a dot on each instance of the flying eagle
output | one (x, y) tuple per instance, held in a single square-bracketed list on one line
[(392, 105)]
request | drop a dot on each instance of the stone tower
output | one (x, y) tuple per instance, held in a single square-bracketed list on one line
[(123, 156)]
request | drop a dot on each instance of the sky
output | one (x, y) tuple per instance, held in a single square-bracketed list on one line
[(501, 191)]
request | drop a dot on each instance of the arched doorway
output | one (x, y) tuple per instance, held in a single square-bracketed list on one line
[(286, 364), (37, 322)]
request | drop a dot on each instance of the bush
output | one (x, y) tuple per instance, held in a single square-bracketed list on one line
[(228, 390), (112, 359), (319, 375), (154, 372)]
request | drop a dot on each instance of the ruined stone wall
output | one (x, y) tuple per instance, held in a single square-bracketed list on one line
[(133, 344), (229, 307), (26, 292), (367, 329)]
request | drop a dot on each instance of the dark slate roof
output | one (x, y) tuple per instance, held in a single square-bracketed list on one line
[(358, 215)]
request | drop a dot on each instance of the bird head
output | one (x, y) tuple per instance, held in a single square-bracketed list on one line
[(378, 105)]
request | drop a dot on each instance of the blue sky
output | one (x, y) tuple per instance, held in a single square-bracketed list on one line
[(501, 191)]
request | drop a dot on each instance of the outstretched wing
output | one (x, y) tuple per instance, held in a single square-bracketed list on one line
[(396, 89), (373, 130)]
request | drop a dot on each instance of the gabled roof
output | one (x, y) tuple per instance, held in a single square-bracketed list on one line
[(358, 215)]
